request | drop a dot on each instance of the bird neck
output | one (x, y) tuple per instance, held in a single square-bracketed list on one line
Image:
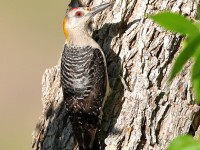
[(80, 37)]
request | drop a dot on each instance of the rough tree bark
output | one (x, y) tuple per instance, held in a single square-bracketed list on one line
[(148, 113)]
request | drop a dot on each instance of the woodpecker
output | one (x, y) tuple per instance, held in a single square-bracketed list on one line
[(84, 78)]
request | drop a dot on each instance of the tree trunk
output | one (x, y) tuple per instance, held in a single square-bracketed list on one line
[(147, 113)]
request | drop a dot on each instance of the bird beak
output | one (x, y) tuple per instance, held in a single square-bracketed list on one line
[(98, 9)]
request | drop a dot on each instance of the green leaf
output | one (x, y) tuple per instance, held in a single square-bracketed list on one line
[(196, 65), (198, 13), (176, 23), (184, 142), (196, 89), (196, 75), (188, 50)]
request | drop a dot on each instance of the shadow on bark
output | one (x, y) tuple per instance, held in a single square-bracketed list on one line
[(113, 105), (54, 135)]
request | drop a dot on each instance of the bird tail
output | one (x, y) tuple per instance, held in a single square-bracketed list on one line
[(85, 137)]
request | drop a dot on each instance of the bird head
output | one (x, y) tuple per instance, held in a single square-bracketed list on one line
[(77, 18)]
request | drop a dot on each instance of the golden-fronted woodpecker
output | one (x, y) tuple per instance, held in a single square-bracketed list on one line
[(84, 78)]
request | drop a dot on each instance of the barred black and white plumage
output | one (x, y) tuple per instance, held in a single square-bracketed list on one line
[(83, 79)]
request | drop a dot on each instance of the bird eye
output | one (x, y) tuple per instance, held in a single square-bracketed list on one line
[(79, 14)]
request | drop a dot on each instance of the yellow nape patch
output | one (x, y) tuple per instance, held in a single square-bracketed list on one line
[(65, 30)]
